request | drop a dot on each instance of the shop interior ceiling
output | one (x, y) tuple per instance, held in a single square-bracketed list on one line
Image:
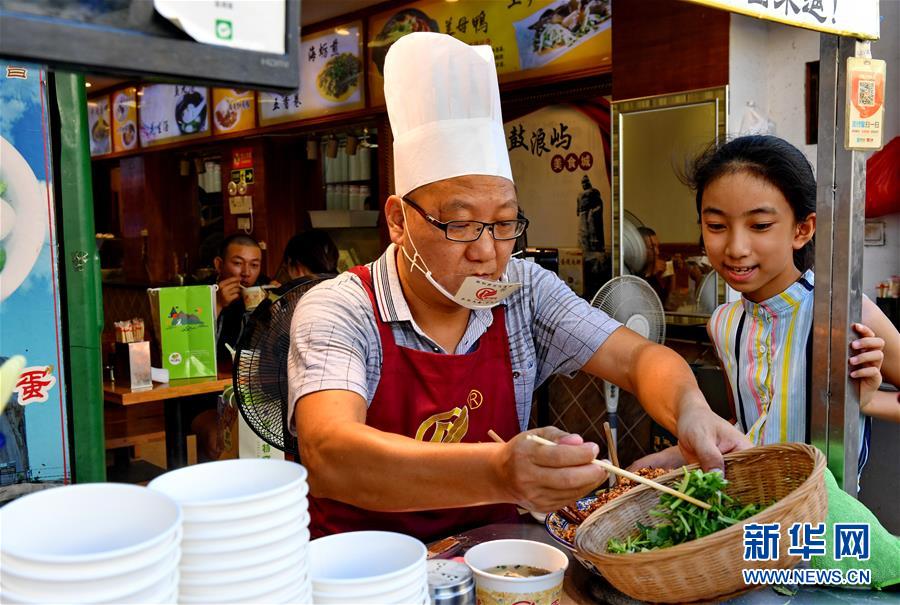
[(311, 11)]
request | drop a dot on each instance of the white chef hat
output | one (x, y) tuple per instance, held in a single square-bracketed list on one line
[(443, 102)]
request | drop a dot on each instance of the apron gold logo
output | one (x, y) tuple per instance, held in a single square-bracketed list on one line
[(446, 427), (450, 426)]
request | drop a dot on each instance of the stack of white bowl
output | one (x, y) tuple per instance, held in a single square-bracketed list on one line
[(90, 543), (246, 535), (368, 567)]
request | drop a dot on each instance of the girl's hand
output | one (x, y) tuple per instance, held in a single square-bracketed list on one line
[(668, 458), (866, 362)]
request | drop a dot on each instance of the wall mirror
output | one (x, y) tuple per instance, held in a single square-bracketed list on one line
[(656, 233)]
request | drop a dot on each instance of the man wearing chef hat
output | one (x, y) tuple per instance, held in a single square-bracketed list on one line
[(399, 369)]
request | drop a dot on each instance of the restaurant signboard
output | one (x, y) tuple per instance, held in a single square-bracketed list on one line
[(331, 78), (124, 119), (557, 153), (530, 38), (233, 110), (33, 426), (99, 129), (858, 18), (172, 112)]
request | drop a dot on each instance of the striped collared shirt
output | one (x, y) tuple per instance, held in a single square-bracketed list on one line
[(766, 350), (335, 342), (763, 348)]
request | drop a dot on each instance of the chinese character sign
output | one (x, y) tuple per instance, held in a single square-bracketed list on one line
[(33, 437), (530, 38), (559, 167), (857, 18), (331, 78), (172, 111), (124, 119), (99, 125), (233, 110), (865, 103), (552, 151)]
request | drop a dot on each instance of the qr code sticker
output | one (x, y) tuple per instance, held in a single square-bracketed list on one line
[(866, 93)]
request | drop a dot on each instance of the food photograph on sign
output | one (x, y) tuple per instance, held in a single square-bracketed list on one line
[(233, 110), (331, 78), (333, 73), (172, 111), (549, 33), (404, 22), (339, 78), (99, 125), (124, 114)]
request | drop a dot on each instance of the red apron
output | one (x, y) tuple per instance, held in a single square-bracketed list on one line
[(439, 398)]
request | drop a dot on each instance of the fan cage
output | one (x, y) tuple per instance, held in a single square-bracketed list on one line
[(260, 369), (626, 296)]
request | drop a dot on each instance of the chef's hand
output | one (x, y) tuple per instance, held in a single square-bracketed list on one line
[(544, 478), (228, 292), (669, 458), (865, 363), (704, 436)]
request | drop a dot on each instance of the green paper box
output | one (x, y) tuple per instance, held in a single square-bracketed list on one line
[(187, 330)]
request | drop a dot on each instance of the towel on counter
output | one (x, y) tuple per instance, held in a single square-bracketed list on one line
[(884, 561)]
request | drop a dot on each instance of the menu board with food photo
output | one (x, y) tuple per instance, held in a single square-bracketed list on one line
[(171, 112), (124, 119), (99, 125), (331, 78), (530, 38), (234, 110)]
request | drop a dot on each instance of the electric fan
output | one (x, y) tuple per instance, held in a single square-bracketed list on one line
[(634, 250), (707, 301), (260, 368), (633, 302)]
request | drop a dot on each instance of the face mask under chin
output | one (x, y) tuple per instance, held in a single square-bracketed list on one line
[(474, 293)]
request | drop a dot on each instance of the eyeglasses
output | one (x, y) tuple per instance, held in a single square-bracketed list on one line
[(470, 231)]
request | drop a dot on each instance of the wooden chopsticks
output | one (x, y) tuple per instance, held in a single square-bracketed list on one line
[(623, 473), (613, 450)]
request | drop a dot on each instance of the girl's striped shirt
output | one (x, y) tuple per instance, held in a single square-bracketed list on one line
[(765, 349)]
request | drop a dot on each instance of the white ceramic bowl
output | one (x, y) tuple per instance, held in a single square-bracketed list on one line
[(282, 595), (367, 559), (116, 585), (91, 570), (415, 578), (212, 576), (231, 512), (493, 589), (286, 579), (294, 510), (412, 593), (165, 591), (225, 483), (263, 538), (125, 591), (238, 559), (85, 523)]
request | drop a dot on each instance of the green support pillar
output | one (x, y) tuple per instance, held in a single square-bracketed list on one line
[(80, 263)]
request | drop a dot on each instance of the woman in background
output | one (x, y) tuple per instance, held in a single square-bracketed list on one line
[(308, 255)]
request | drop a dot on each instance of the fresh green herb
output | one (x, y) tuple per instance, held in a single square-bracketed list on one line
[(681, 521), (2, 187), (786, 591), (2, 257)]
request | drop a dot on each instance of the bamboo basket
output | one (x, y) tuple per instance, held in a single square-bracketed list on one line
[(790, 474)]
